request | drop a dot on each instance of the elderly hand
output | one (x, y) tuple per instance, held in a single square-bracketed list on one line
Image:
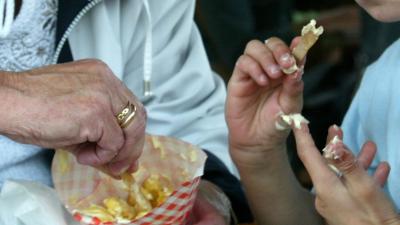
[(353, 198), (257, 93), (73, 106)]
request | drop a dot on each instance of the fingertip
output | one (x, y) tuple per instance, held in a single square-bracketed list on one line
[(382, 173), (133, 168), (287, 60), (274, 71), (262, 80), (117, 168)]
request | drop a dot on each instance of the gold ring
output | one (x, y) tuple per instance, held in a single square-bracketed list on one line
[(126, 116)]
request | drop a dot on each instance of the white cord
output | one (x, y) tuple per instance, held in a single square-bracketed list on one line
[(7, 7), (148, 53)]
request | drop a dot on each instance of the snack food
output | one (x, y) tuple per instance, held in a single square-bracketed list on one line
[(285, 121), (330, 154), (309, 36), (157, 193)]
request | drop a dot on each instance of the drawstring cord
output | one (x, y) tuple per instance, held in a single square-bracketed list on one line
[(148, 53), (7, 7)]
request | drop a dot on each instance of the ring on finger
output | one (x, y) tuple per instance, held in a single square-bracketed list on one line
[(126, 116)]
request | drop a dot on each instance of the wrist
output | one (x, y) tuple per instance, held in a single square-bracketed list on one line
[(257, 159)]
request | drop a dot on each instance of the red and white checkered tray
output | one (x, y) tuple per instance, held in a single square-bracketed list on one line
[(80, 186)]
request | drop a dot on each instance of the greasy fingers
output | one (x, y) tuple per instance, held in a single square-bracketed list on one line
[(353, 172)]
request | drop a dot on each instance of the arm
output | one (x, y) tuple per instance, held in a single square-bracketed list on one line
[(257, 93)]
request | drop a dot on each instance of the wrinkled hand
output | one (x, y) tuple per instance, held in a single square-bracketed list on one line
[(257, 92), (353, 198), (211, 206), (73, 106)]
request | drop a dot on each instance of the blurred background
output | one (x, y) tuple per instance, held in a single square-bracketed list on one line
[(351, 41)]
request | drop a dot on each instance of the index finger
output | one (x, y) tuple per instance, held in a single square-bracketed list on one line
[(311, 157)]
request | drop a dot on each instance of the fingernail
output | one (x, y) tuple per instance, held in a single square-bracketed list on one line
[(285, 57), (336, 127), (274, 69), (263, 78)]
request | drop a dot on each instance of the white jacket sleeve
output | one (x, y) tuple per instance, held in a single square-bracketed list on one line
[(188, 98)]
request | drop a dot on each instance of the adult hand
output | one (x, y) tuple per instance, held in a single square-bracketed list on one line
[(354, 197), (73, 106), (257, 93), (211, 206)]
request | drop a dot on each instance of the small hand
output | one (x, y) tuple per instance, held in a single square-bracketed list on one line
[(353, 198), (257, 93)]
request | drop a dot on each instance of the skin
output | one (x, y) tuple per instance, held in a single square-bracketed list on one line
[(256, 96), (355, 197), (73, 106), (382, 10)]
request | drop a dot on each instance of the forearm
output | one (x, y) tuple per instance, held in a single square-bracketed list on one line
[(274, 194), (9, 102)]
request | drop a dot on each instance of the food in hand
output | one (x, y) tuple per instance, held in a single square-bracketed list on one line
[(287, 120), (330, 153), (309, 36)]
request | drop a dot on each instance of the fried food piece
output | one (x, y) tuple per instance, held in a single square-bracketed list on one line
[(119, 208), (98, 211), (141, 199), (309, 36)]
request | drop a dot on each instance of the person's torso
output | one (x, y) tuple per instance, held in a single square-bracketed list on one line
[(380, 114)]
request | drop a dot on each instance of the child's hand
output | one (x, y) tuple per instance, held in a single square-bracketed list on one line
[(353, 197), (257, 93)]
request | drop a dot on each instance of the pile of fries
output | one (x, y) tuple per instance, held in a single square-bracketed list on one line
[(141, 199)]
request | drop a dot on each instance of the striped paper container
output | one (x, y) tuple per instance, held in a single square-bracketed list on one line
[(80, 186)]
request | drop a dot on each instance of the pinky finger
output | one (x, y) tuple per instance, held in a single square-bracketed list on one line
[(382, 173), (252, 68)]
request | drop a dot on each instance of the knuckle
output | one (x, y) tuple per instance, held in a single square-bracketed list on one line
[(241, 62), (348, 166), (272, 40), (252, 44), (99, 66)]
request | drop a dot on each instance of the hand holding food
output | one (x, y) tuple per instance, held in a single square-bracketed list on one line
[(258, 93), (75, 106), (353, 197)]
